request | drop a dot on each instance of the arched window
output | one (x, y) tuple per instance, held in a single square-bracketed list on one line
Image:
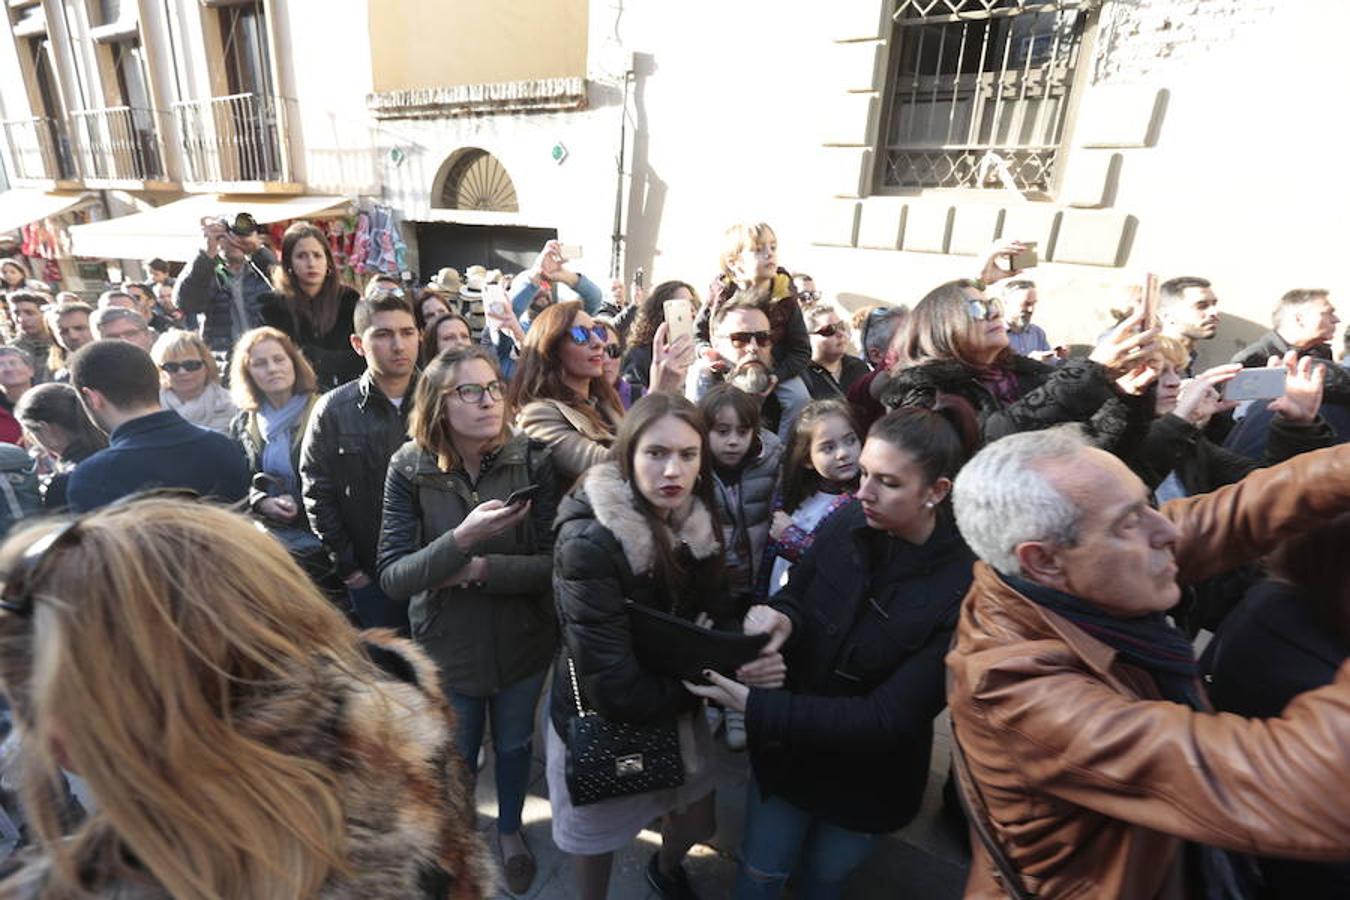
[(477, 180)]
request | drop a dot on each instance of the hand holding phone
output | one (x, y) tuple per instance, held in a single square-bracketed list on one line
[(1255, 384), (521, 496), (494, 301), (679, 320)]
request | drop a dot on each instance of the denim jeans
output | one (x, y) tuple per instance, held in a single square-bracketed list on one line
[(780, 837), (374, 608), (512, 713), (792, 399)]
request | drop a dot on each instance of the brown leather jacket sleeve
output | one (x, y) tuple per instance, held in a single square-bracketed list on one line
[(1243, 521), (1273, 786)]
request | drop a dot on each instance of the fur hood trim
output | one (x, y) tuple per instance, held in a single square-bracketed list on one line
[(612, 501)]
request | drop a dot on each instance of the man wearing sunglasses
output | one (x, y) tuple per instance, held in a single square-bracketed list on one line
[(148, 446), (833, 370), (225, 280), (741, 352)]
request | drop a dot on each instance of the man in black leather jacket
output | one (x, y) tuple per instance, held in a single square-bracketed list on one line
[(352, 433)]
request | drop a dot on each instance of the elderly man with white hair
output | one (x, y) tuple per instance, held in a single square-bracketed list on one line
[(1093, 764)]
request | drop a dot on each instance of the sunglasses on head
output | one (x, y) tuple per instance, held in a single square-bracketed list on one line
[(581, 335), (829, 330), (984, 310), (187, 365), (743, 338), (613, 351)]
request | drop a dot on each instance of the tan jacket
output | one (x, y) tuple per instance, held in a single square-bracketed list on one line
[(1092, 780), (576, 443)]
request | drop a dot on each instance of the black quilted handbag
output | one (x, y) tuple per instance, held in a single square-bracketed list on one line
[(608, 759)]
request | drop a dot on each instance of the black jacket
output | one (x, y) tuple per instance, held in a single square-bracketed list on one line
[(823, 386), (604, 553), (352, 433), (1173, 444), (1272, 648), (1077, 390), (483, 638), (331, 354), (849, 738), (204, 290)]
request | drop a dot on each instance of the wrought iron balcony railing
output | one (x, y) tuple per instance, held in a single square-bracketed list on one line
[(240, 138), (121, 143), (39, 149)]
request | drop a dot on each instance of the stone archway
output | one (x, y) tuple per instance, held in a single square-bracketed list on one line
[(472, 178)]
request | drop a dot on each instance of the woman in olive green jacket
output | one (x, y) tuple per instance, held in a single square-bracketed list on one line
[(475, 569)]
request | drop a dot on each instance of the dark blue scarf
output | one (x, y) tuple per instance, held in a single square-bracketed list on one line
[(1156, 646)]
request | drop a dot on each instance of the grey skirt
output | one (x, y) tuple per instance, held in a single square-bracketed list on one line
[(613, 824)]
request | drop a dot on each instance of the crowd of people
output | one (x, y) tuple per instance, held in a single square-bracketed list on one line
[(315, 543)]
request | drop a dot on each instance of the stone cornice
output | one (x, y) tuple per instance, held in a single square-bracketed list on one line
[(545, 95)]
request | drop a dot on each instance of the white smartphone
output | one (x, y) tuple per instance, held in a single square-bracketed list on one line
[(679, 319), (1255, 384), (570, 251), (494, 301)]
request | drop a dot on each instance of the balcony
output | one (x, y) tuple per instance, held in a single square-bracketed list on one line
[(39, 151), (239, 143), (120, 147)]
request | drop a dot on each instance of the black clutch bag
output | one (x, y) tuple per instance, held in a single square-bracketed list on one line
[(607, 759), (668, 645)]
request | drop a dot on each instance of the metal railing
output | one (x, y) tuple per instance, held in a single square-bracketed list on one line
[(121, 143), (39, 148), (242, 137), (980, 92)]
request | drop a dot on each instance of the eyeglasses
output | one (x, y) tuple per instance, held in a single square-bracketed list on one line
[(743, 338), (581, 335), (187, 365), (808, 296), (473, 393), (831, 330), (984, 310), (613, 351), (17, 597)]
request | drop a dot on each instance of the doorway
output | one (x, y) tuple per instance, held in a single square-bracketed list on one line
[(510, 248)]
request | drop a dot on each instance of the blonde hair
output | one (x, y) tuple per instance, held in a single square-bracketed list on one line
[(427, 425), (242, 388), (743, 236), (177, 342), (151, 640), (1171, 352)]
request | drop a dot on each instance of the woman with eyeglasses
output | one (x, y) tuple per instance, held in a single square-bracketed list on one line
[(238, 738), (955, 342), (561, 391), (832, 371), (467, 538), (313, 307), (190, 381)]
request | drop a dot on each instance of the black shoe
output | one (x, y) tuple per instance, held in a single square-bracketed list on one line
[(667, 888)]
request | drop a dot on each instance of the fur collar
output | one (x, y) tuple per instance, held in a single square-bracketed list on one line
[(614, 507)]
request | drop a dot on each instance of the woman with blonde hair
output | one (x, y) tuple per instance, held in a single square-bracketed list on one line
[(190, 381), (237, 737), (474, 566), (275, 389)]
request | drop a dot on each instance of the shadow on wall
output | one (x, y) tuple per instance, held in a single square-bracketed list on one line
[(646, 190)]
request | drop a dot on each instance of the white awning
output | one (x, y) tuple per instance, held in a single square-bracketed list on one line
[(20, 206), (174, 231)]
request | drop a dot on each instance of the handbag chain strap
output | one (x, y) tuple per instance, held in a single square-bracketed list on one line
[(576, 690)]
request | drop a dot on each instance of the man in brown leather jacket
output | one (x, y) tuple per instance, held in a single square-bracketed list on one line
[(1094, 758)]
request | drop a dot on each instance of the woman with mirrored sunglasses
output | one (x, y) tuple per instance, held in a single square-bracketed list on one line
[(955, 343), (476, 568), (190, 381)]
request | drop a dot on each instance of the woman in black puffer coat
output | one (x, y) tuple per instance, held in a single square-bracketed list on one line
[(642, 528), (955, 342)]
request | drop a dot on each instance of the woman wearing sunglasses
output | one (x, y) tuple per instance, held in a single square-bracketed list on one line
[(955, 342), (562, 394), (190, 381), (628, 392), (237, 737), (833, 370), (476, 565)]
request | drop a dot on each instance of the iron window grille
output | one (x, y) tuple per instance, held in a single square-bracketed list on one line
[(980, 92)]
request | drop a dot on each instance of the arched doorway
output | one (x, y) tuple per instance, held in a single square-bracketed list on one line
[(475, 179)]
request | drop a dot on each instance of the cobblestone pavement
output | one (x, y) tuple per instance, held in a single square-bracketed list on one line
[(923, 861)]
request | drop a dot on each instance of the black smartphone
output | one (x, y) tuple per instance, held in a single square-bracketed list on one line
[(522, 495), (639, 276)]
